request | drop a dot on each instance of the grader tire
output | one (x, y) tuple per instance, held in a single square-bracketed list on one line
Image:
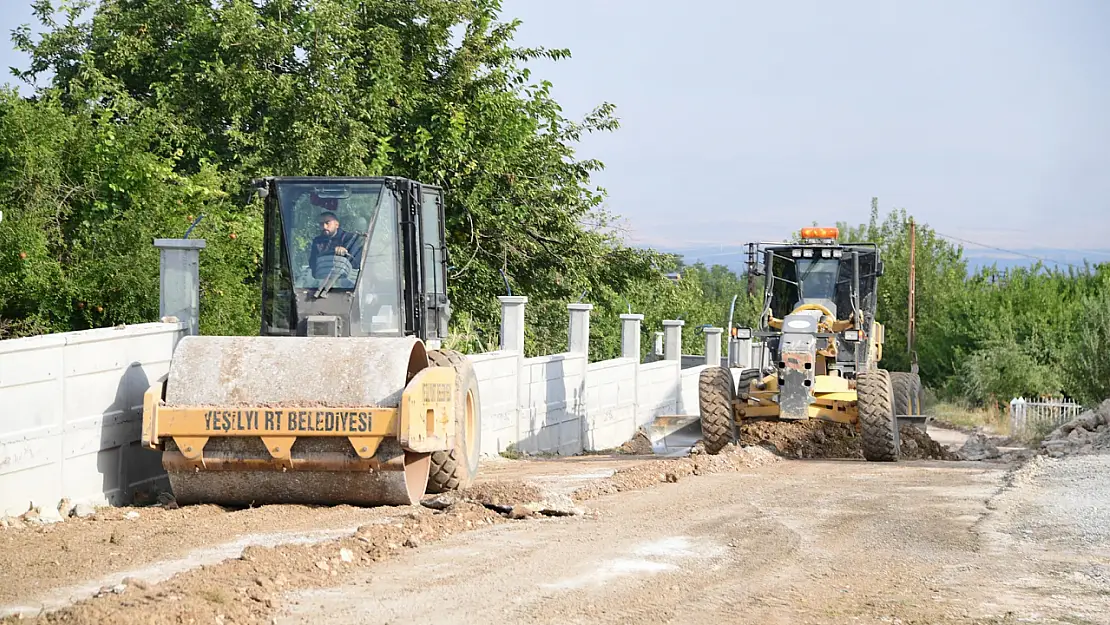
[(715, 393), (747, 376), (902, 384), (875, 395), (456, 469), (917, 393)]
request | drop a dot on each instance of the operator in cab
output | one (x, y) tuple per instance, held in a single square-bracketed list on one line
[(333, 240)]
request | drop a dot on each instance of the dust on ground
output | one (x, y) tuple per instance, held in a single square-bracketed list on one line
[(247, 589), (822, 541), (730, 459)]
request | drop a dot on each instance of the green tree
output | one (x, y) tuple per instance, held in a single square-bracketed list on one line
[(241, 89), (1087, 366), (84, 198)]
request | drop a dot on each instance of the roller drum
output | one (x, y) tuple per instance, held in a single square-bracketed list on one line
[(295, 371)]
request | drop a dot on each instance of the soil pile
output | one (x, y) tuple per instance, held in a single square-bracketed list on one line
[(809, 438), (917, 445), (1089, 433), (813, 438), (249, 588), (640, 445)]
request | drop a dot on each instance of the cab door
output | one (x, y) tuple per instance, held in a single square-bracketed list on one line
[(434, 262)]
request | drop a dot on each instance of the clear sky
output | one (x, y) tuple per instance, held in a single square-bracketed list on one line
[(745, 120), (742, 120)]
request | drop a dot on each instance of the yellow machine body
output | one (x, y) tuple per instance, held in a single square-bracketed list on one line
[(825, 345), (423, 423), (253, 420)]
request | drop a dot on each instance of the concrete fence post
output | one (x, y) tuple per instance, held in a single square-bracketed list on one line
[(512, 340), (578, 342), (578, 328), (713, 346), (179, 280), (630, 336), (512, 322), (672, 339), (741, 353), (630, 348)]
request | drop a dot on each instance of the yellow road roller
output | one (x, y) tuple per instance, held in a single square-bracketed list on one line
[(346, 396)]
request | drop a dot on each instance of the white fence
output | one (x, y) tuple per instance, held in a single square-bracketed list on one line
[(1040, 415), (71, 413), (71, 404)]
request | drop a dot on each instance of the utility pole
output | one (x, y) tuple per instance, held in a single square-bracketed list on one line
[(912, 330), (751, 269)]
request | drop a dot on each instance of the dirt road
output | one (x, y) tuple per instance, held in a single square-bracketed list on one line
[(742, 537), (796, 542)]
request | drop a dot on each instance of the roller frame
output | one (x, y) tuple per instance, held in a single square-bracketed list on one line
[(430, 393)]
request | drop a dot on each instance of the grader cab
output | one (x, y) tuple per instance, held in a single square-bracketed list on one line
[(345, 397), (818, 325)]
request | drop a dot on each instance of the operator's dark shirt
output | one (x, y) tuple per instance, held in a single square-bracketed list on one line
[(324, 245)]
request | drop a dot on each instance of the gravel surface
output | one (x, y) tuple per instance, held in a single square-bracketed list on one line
[(1053, 520), (793, 542)]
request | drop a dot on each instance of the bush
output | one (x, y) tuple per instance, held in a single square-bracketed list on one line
[(1089, 363), (1003, 370)]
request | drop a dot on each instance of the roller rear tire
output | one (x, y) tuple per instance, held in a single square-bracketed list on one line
[(456, 469)]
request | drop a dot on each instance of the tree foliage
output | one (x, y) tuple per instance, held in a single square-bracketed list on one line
[(209, 95)]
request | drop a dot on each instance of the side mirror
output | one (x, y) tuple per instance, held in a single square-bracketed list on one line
[(742, 333), (880, 269)]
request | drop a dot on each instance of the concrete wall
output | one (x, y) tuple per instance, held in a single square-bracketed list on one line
[(71, 408), (498, 389), (565, 405), (72, 405), (611, 395)]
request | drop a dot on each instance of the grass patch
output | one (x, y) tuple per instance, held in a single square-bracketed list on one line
[(991, 419), (513, 453), (1037, 433)]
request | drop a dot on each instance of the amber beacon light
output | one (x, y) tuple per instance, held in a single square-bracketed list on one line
[(820, 233)]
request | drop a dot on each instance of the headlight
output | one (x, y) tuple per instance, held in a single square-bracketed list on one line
[(796, 253), (808, 253), (851, 335), (838, 253), (826, 253)]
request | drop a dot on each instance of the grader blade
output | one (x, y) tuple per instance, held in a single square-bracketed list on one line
[(320, 420)]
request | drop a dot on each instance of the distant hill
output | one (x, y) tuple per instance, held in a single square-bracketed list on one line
[(734, 257)]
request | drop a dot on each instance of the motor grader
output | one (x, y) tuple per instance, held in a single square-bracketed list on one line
[(818, 326), (345, 395)]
